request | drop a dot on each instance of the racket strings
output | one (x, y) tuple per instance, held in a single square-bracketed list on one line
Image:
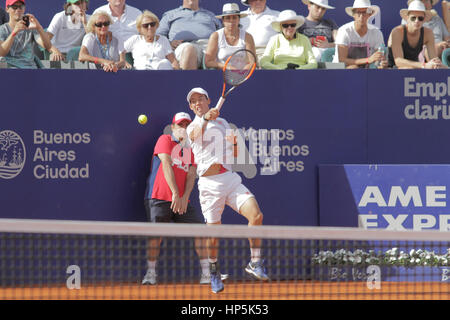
[(238, 68)]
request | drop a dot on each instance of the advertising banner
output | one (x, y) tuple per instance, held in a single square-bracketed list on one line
[(72, 147)]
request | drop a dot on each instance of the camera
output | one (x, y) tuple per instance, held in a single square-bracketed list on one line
[(27, 20)]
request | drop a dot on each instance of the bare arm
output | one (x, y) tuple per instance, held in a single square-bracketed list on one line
[(211, 52), (173, 61), (446, 13), (6, 45), (43, 40), (343, 57)]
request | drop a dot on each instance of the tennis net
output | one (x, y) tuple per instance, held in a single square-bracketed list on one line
[(52, 259)]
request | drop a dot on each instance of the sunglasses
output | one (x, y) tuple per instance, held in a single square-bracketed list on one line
[(150, 24), (413, 18), (102, 24), (287, 25)]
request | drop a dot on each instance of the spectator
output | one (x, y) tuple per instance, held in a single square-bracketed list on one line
[(67, 28), (258, 23), (358, 42), (188, 29), (288, 49), (150, 51), (224, 42), (123, 18), (437, 25), (401, 52), (169, 186), (3, 16), (100, 46), (322, 32), (18, 36)]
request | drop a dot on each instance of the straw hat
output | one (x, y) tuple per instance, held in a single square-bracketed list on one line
[(320, 3), (433, 2), (360, 4), (287, 15), (415, 5), (231, 9)]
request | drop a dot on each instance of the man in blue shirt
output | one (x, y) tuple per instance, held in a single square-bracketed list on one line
[(188, 28)]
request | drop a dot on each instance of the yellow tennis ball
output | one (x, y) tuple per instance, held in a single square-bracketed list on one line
[(142, 119)]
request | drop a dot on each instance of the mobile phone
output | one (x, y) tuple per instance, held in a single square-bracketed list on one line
[(321, 38), (27, 20)]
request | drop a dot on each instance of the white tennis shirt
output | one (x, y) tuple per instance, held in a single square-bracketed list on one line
[(212, 147)]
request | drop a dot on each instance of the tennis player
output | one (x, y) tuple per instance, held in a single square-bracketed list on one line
[(214, 145), (169, 186)]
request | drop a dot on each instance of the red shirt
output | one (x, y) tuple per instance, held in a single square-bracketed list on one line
[(182, 159)]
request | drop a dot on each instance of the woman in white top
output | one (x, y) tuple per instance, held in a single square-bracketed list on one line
[(67, 28), (100, 47), (150, 51), (224, 42)]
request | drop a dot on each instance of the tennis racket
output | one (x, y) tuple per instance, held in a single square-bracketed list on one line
[(238, 68)]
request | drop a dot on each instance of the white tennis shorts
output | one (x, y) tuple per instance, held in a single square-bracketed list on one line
[(220, 190)]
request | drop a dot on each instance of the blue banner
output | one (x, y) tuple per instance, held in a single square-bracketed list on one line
[(73, 147), (392, 197)]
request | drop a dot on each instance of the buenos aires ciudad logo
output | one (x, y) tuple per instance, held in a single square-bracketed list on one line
[(12, 154)]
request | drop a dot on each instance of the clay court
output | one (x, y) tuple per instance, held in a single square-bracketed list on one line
[(239, 291)]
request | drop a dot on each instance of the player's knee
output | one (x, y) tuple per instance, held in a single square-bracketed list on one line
[(256, 218)]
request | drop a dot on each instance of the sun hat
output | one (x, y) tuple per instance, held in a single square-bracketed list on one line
[(231, 9), (197, 90), (415, 5), (287, 15), (361, 4), (320, 3), (433, 2)]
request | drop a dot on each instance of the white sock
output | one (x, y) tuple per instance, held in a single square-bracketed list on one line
[(204, 263), (255, 254), (151, 265)]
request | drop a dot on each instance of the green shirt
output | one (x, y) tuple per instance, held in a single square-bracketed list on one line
[(280, 51)]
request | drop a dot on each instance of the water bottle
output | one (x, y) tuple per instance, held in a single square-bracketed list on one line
[(380, 49)]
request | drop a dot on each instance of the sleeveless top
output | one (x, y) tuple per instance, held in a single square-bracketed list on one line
[(409, 52), (224, 49)]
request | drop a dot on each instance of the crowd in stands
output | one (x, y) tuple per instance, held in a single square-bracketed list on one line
[(118, 36)]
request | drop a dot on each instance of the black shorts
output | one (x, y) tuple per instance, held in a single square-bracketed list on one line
[(159, 211)]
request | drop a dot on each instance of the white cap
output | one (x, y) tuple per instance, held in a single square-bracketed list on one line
[(196, 90), (180, 116)]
